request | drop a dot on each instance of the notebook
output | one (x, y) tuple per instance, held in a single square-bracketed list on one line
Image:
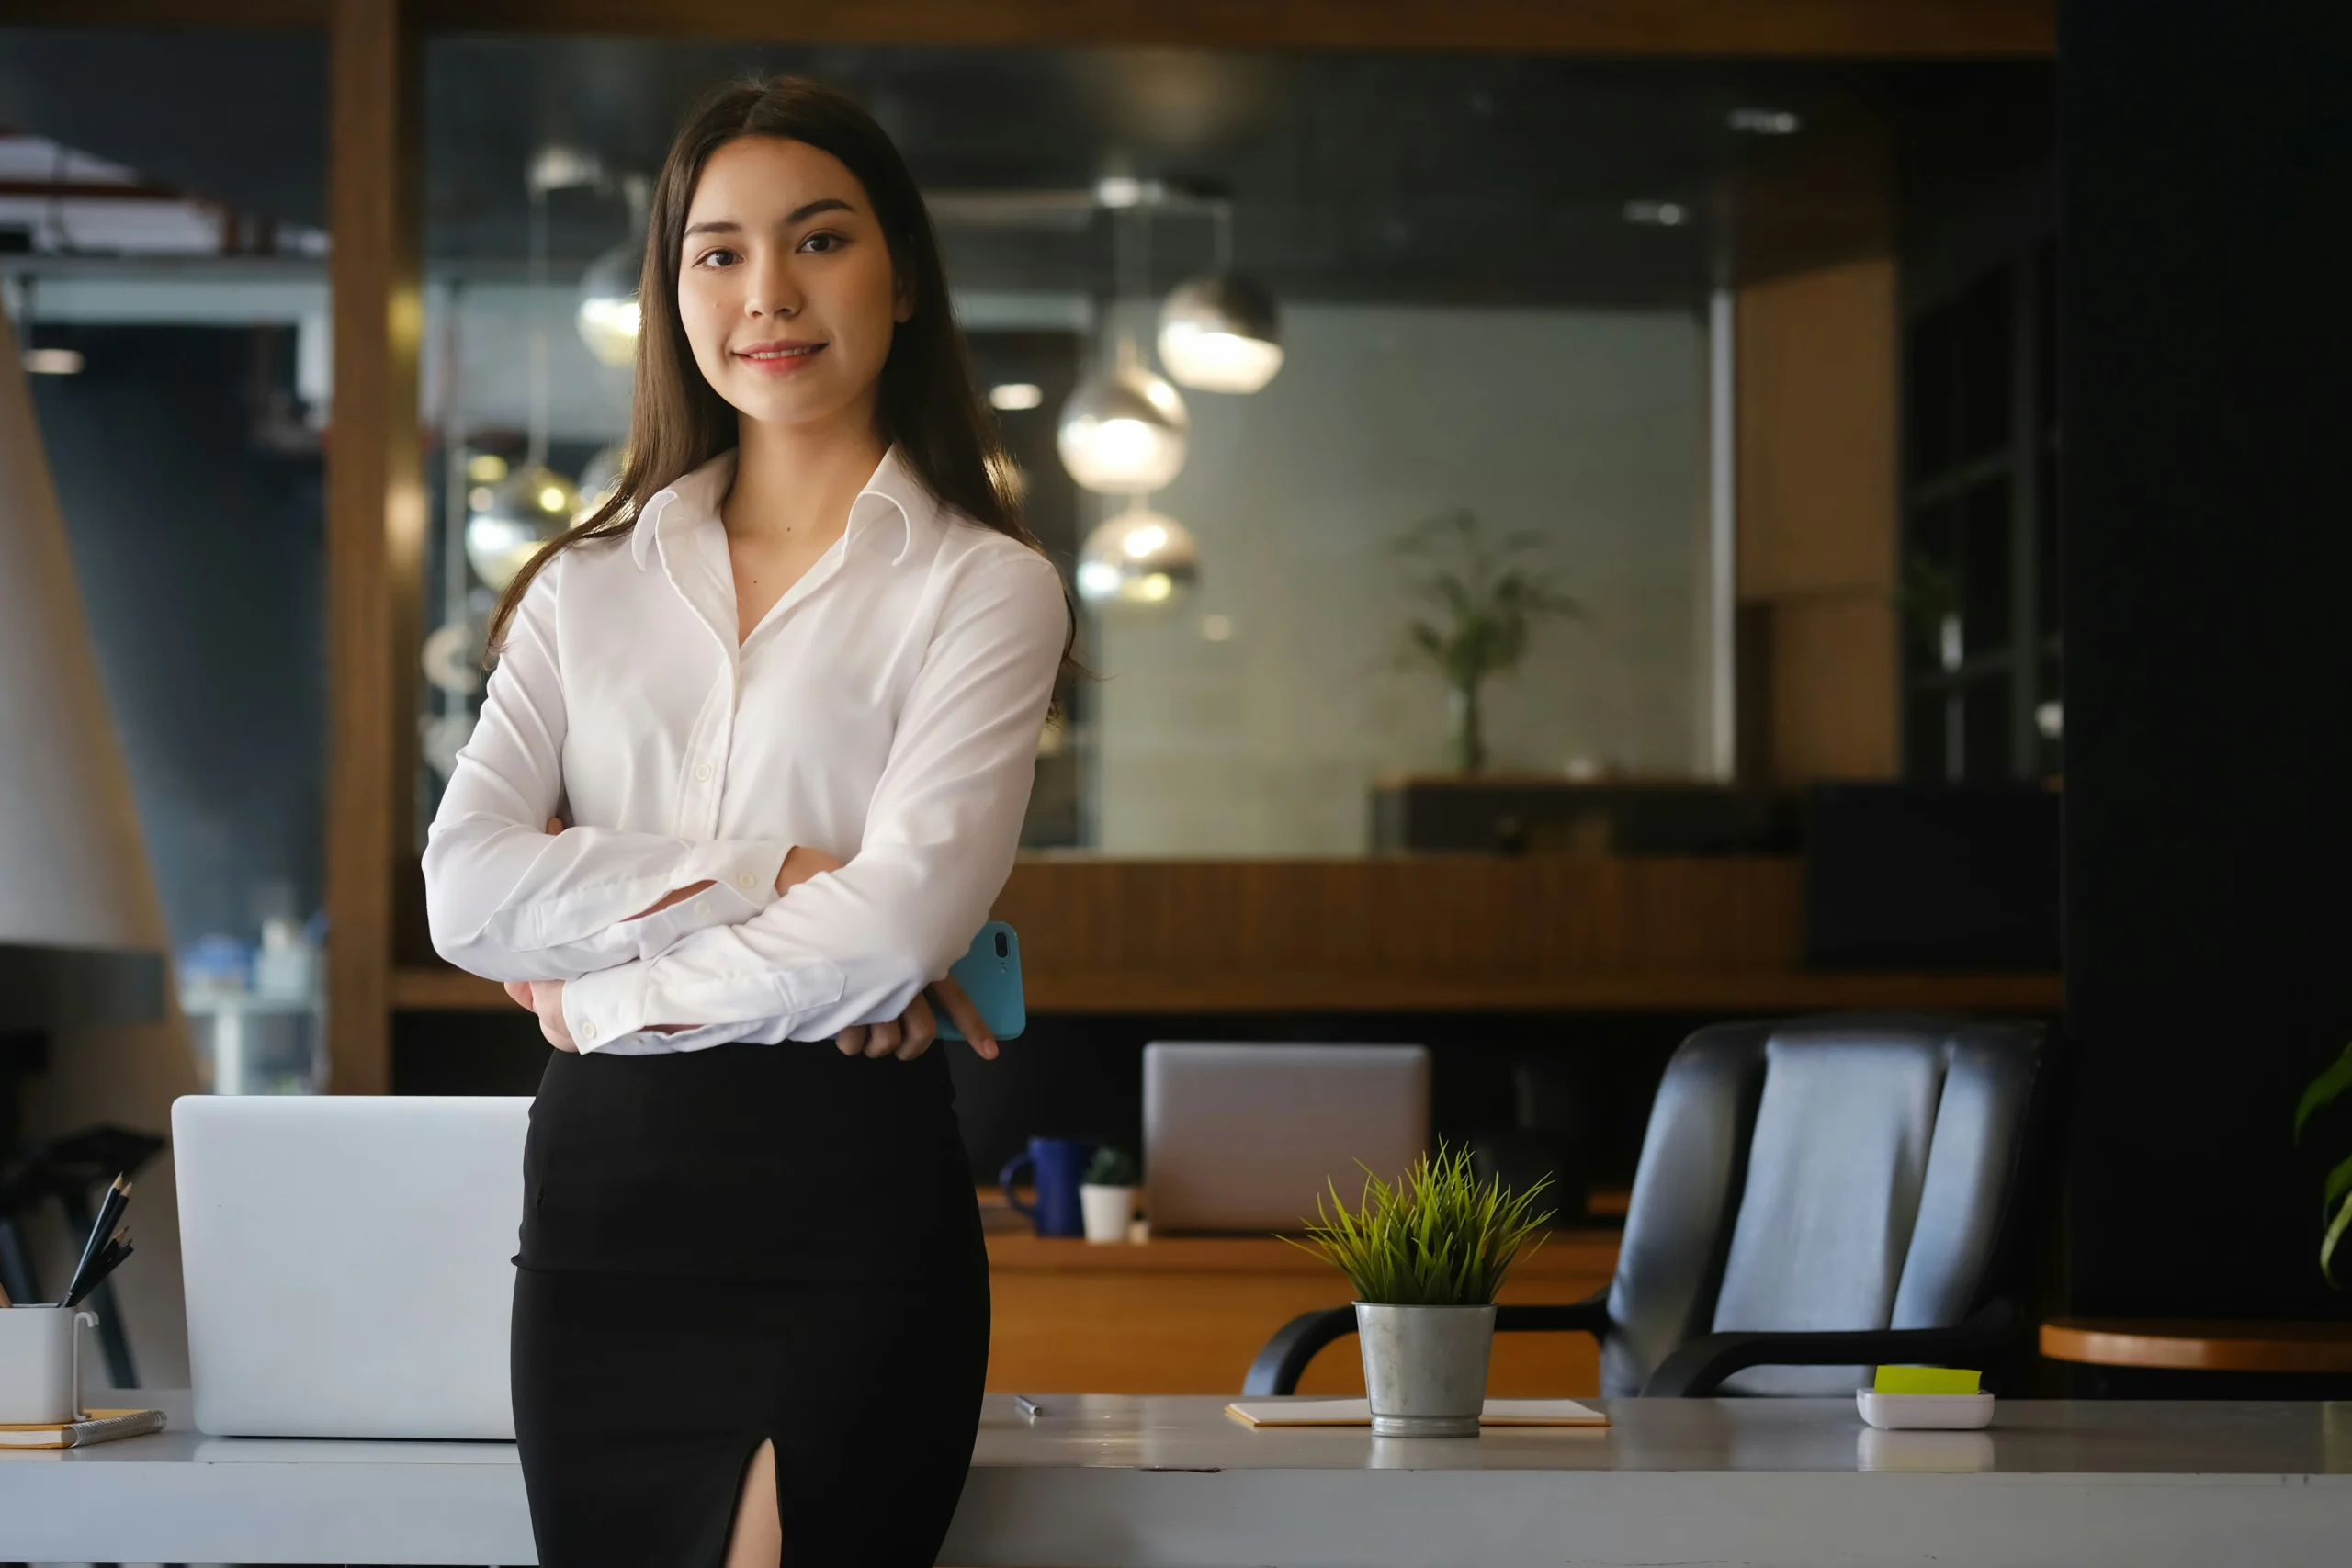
[(96, 1426), (1358, 1412)]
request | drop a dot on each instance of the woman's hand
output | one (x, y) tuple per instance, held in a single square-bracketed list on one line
[(545, 997), (911, 1034), (801, 863)]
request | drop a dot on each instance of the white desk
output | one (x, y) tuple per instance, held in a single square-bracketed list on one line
[(1101, 1480)]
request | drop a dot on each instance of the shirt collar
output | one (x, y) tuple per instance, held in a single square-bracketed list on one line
[(894, 492)]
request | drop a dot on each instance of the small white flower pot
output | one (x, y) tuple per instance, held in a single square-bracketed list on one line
[(1425, 1368), (1107, 1211)]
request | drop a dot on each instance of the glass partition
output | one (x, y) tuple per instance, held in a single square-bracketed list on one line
[(1377, 409)]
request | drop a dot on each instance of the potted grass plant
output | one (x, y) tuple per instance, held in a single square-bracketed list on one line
[(1426, 1255)]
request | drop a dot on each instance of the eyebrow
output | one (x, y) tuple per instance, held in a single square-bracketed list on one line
[(805, 209)]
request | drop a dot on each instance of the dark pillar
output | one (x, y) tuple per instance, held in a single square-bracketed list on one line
[(2207, 508)]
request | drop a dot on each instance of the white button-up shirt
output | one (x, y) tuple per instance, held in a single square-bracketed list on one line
[(886, 711)]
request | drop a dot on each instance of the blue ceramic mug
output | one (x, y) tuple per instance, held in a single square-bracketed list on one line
[(1056, 1166)]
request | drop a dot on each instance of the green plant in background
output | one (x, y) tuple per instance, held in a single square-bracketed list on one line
[(2335, 1191), (1490, 601), (1437, 1237), (1113, 1168)]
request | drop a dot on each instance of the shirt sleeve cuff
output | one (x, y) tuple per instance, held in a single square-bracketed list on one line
[(604, 1006)]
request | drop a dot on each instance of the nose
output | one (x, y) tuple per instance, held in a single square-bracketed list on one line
[(774, 291)]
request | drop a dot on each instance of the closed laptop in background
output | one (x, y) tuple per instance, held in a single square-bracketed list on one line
[(349, 1262), (1245, 1137)]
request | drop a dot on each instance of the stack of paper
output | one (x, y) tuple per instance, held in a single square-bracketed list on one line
[(1358, 1412)]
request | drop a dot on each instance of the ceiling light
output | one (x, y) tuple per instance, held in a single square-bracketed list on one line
[(1126, 432), (1016, 395), (52, 361), (1126, 191), (556, 166), (1218, 333), (608, 313), (1139, 558), (1766, 122), (526, 510), (1663, 214)]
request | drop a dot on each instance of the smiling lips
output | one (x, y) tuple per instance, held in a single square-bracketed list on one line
[(783, 356)]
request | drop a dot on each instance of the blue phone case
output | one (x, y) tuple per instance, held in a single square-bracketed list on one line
[(990, 975)]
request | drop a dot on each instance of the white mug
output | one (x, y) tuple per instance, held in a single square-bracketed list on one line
[(41, 1364)]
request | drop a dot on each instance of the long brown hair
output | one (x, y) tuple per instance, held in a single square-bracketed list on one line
[(928, 404)]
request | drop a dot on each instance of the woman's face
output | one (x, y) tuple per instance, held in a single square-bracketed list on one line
[(785, 282)]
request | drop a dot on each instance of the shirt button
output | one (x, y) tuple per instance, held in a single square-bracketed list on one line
[(744, 879), (702, 773), (702, 905), (587, 1031)]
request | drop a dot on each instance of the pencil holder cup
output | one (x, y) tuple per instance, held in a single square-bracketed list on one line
[(41, 1364)]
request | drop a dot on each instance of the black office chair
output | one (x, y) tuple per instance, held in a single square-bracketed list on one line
[(1815, 1196)]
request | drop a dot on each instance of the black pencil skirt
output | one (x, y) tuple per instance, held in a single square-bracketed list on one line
[(748, 1244)]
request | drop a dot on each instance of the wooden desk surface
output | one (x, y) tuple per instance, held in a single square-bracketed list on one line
[(2193, 1345)]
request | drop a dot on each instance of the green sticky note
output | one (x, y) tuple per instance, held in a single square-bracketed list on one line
[(1926, 1379)]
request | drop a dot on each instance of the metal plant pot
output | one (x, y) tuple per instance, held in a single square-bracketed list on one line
[(1425, 1368)]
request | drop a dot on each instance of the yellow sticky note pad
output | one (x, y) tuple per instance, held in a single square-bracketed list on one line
[(1926, 1379)]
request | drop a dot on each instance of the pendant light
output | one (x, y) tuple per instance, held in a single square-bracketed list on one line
[(510, 521), (1217, 332), (1126, 432), (608, 313), (1139, 558)]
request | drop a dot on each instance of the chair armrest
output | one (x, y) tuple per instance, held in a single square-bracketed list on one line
[(1696, 1369), (1276, 1370), (1279, 1365)]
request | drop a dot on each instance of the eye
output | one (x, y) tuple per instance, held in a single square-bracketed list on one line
[(831, 242), (718, 256)]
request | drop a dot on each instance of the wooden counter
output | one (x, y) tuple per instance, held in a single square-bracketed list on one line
[(1418, 933), (2191, 1344), (1188, 1315)]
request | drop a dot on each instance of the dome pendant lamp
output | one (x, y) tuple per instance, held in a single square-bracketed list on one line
[(1217, 334), (1138, 560), (1124, 433), (510, 521), (608, 314)]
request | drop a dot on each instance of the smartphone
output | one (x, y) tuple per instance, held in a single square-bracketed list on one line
[(990, 975)]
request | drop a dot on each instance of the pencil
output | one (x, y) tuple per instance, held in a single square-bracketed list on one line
[(109, 1213)]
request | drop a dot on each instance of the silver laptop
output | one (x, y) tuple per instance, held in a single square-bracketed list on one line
[(349, 1262), (1241, 1137)]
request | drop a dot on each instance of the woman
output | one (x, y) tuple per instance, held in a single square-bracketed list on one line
[(787, 689)]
